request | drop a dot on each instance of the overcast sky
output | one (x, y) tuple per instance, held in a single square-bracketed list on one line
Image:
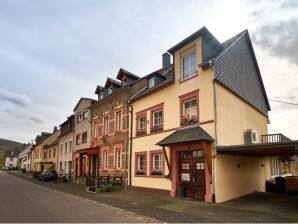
[(55, 51)]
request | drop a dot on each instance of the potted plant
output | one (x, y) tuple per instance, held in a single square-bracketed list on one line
[(156, 172)]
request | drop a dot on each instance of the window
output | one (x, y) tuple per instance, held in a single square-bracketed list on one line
[(151, 82), (50, 153), (45, 155), (157, 119), (100, 95), (200, 166), (189, 67), (54, 152), (60, 166), (275, 166), (141, 164), (79, 118), (70, 146), (110, 90), (84, 137), (65, 148), (61, 149), (142, 123), (106, 125), (118, 158), (78, 139), (156, 164), (190, 107), (95, 129), (118, 121), (85, 114), (105, 159)]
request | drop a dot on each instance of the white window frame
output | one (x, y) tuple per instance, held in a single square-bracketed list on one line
[(139, 163), (70, 145), (110, 90), (151, 82), (159, 119), (160, 162), (95, 129), (105, 159), (101, 95), (194, 108), (139, 123), (118, 121), (106, 125), (118, 158), (274, 166), (192, 70)]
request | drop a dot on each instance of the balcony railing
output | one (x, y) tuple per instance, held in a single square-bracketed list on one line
[(275, 138)]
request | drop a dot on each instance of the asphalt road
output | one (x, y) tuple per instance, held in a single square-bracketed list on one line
[(22, 201)]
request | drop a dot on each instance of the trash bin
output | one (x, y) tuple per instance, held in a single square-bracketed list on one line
[(270, 187), (180, 192), (280, 185)]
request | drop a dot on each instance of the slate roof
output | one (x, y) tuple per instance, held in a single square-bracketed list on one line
[(168, 77), (195, 133), (121, 70), (112, 81), (237, 69), (235, 65)]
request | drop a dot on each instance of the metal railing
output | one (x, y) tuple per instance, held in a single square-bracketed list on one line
[(275, 138), (98, 181)]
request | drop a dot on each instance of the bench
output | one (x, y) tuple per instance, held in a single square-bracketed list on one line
[(291, 183)]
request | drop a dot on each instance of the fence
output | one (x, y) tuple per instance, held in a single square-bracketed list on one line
[(97, 181)]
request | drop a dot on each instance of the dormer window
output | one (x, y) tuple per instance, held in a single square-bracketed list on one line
[(110, 90), (101, 95), (151, 82), (188, 64), (124, 81)]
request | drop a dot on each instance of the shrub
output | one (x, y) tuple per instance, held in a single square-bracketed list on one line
[(109, 188), (35, 174)]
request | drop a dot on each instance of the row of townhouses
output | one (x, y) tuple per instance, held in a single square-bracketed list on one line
[(199, 123)]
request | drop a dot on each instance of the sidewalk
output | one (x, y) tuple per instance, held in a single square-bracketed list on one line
[(165, 208)]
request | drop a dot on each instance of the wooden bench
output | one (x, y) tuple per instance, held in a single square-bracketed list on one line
[(291, 183)]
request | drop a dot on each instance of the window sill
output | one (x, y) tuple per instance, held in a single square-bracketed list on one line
[(189, 125), (155, 130), (189, 78)]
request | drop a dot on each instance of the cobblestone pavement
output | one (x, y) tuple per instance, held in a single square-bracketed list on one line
[(154, 207)]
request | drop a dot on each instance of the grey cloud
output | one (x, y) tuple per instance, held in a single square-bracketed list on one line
[(280, 39), (36, 120), (290, 4), (14, 98)]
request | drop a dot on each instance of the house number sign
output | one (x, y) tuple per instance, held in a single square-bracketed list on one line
[(185, 176)]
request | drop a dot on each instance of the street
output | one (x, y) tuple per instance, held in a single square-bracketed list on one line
[(22, 201)]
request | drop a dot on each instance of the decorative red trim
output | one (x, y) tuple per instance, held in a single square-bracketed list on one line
[(159, 107), (189, 78), (119, 110), (188, 96), (136, 163), (104, 148), (174, 129)]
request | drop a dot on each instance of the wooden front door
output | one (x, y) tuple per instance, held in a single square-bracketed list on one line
[(191, 174)]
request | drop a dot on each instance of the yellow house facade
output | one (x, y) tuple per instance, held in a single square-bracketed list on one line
[(45, 152), (186, 118)]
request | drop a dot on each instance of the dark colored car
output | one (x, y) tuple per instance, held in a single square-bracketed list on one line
[(48, 175)]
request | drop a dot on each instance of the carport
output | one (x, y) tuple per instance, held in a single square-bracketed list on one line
[(243, 169)]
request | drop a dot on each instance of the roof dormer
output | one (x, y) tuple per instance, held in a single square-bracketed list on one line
[(126, 77)]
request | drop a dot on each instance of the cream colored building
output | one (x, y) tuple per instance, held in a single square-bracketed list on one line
[(199, 128)]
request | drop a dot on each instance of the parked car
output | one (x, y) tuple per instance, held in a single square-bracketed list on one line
[(48, 175), (11, 167)]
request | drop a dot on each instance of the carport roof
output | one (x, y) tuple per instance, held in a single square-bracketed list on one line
[(261, 149)]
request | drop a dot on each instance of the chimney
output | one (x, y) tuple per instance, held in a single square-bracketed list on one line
[(55, 129), (166, 60)]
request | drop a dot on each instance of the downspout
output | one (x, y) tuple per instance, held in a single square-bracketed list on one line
[(130, 138), (126, 139), (215, 127)]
